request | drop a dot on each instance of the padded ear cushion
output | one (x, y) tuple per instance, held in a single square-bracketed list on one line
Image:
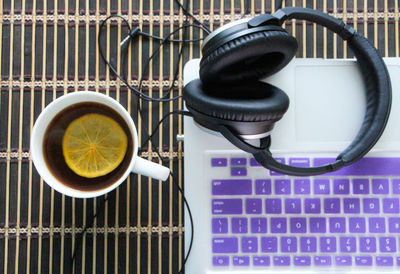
[(379, 90), (253, 102), (249, 57)]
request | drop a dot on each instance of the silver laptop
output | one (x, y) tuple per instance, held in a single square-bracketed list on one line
[(250, 220)]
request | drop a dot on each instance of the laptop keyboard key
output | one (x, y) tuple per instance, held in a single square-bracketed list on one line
[(347, 244), (299, 162), (302, 261), (298, 225), (308, 244), (253, 162), (328, 244), (282, 187), (241, 261), (261, 261), (377, 225), (278, 225), (387, 244), (343, 260), (337, 225), (238, 171), (293, 206), (321, 186), (396, 186), (391, 206), (238, 161), (368, 244), (269, 244), (263, 187), (231, 187), (341, 186), (394, 225), (273, 206), (289, 244), (363, 260), (225, 245), (253, 206), (384, 261), (281, 261), (249, 244), (380, 186), (312, 206), (322, 260), (239, 225), (317, 225), (219, 225), (258, 225), (360, 186), (220, 261), (227, 206), (332, 205), (371, 205), (302, 186), (351, 205), (219, 162), (357, 225)]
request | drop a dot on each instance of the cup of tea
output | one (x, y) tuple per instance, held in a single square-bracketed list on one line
[(91, 172)]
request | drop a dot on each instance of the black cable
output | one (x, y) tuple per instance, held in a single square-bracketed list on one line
[(279, 6), (186, 113), (191, 225), (246, 10), (79, 240), (140, 94), (185, 11)]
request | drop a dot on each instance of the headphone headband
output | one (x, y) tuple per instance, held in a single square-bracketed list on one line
[(379, 95)]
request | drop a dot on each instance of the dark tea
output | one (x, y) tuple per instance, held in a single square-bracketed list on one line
[(53, 152)]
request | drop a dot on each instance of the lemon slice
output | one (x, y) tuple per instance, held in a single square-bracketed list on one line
[(94, 145)]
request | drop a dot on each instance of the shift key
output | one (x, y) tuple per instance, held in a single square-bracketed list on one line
[(227, 206), (225, 245)]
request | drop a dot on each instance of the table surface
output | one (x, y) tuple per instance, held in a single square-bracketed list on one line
[(49, 48)]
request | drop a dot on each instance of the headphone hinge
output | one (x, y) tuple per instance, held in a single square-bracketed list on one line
[(263, 20), (346, 32), (281, 16)]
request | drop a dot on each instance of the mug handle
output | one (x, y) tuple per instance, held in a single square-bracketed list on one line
[(150, 169)]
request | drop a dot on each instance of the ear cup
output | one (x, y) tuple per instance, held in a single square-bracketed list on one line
[(249, 57), (254, 102)]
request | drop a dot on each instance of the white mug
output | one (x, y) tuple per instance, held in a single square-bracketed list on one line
[(137, 165)]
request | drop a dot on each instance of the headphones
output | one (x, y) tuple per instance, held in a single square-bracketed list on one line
[(228, 97)]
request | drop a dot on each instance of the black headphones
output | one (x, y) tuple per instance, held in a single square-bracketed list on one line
[(229, 98)]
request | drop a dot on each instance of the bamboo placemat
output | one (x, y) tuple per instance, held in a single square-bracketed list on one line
[(49, 48)]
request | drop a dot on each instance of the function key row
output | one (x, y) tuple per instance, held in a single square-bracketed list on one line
[(307, 205), (369, 166), (358, 186), (290, 244), (266, 261), (275, 225)]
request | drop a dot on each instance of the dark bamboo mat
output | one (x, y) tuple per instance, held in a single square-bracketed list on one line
[(49, 48)]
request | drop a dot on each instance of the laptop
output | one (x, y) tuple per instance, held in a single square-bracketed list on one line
[(250, 220)]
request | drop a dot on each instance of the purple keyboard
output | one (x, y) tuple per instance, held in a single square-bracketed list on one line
[(261, 219)]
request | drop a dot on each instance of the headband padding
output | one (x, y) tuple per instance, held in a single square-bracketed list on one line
[(248, 58), (378, 88), (253, 102)]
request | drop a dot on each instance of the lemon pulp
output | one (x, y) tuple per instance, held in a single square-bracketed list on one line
[(94, 145)]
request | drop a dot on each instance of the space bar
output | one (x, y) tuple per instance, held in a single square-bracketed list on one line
[(368, 166)]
